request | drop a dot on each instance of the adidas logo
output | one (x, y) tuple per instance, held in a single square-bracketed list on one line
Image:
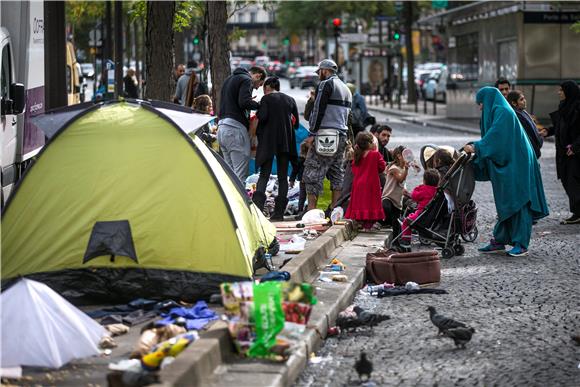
[(326, 143)]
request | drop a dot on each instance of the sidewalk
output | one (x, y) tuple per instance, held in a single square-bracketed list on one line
[(439, 120)]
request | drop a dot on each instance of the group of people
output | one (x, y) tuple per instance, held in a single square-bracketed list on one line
[(366, 178)]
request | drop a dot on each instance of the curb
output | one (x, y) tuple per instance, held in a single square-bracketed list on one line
[(204, 363)]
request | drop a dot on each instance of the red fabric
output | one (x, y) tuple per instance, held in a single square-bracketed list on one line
[(365, 198), (422, 195)]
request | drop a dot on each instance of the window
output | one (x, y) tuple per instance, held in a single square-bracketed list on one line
[(466, 65), (6, 76), (508, 59), (252, 17)]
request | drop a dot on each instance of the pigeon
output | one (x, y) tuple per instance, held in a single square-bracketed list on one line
[(363, 366), (368, 318), (360, 317), (442, 322), (460, 336)]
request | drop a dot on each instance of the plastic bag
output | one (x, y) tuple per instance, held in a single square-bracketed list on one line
[(315, 216), (268, 317), (337, 214)]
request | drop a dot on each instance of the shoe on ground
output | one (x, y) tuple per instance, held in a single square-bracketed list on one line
[(574, 219), (517, 251), (405, 244), (492, 247)]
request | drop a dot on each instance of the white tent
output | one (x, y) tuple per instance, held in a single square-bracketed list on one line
[(40, 328)]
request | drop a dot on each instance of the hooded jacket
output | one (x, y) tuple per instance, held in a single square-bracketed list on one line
[(236, 97), (505, 156)]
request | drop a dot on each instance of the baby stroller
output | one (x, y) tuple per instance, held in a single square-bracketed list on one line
[(451, 215)]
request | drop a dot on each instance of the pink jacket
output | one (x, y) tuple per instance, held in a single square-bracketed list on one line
[(422, 195)]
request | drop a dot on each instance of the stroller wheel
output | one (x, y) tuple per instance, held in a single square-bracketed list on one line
[(447, 253), (424, 242), (459, 249), (470, 236)]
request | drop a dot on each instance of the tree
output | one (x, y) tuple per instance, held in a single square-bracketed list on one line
[(219, 60), (159, 50)]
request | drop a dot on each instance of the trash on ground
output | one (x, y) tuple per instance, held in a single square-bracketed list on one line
[(297, 243), (266, 320)]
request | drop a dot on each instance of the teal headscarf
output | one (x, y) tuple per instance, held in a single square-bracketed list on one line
[(506, 157)]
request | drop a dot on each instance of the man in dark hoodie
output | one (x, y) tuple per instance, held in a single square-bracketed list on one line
[(236, 102)]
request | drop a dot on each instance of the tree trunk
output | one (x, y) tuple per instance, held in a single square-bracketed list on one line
[(411, 90), (54, 48), (159, 49), (219, 59)]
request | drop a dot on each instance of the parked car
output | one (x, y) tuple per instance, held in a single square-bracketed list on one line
[(88, 70), (274, 68), (261, 60), (437, 85), (305, 76)]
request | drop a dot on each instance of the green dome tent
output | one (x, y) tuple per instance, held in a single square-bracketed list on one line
[(123, 203)]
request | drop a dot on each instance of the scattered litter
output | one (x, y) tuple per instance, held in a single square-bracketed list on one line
[(131, 365), (117, 329), (107, 342), (320, 359), (333, 331), (325, 279), (315, 216), (337, 214), (412, 286), (107, 352), (297, 243), (339, 278)]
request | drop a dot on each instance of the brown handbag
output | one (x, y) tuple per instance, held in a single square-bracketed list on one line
[(422, 267)]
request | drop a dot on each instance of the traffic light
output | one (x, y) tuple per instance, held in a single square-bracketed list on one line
[(396, 35), (196, 40), (336, 22), (286, 41)]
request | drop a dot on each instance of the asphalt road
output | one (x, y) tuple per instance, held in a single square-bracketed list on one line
[(523, 309)]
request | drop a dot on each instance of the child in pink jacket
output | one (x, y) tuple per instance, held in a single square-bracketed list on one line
[(422, 195)]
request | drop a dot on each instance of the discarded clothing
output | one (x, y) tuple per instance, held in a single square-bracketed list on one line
[(135, 312), (195, 317), (401, 290), (276, 276)]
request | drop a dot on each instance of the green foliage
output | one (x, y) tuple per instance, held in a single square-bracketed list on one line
[(297, 16), (576, 27), (188, 13)]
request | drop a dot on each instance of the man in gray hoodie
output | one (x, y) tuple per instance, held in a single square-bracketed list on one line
[(181, 89)]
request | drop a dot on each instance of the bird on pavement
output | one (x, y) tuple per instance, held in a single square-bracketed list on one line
[(460, 336), (368, 318), (363, 366), (442, 322)]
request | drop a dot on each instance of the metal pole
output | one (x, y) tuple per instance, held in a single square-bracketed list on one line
[(434, 103), (336, 52)]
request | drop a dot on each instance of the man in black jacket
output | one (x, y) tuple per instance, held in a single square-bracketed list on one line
[(234, 117)]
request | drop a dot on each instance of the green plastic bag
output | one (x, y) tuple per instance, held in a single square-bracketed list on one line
[(268, 316)]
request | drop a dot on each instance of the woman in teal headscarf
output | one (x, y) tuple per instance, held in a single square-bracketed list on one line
[(506, 157)]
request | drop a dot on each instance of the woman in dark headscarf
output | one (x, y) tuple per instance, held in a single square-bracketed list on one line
[(506, 158), (566, 121)]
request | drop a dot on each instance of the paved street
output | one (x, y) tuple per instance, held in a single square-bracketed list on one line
[(523, 309)]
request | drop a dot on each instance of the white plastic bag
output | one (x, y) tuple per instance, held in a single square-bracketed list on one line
[(315, 216), (337, 214)]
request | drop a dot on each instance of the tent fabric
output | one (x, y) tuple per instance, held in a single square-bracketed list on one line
[(42, 329), (128, 161)]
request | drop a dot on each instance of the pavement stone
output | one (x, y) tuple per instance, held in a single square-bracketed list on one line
[(523, 309)]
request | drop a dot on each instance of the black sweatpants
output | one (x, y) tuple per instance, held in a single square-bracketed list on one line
[(392, 215), (282, 160)]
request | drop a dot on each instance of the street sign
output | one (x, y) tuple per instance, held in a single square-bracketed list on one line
[(353, 38)]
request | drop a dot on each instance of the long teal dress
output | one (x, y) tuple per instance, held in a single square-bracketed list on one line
[(506, 158)]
